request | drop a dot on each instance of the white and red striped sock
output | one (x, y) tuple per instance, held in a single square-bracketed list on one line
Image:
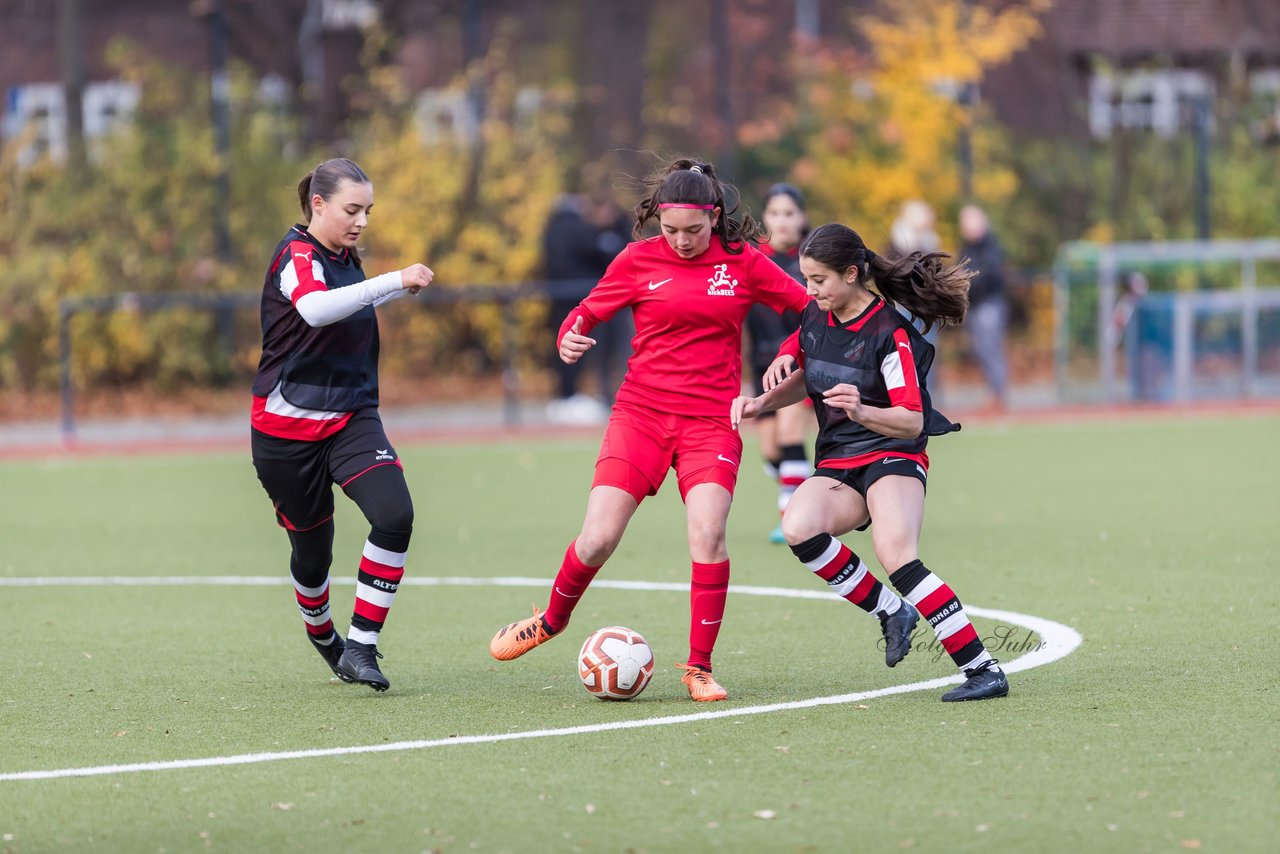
[(792, 471), (846, 574), (313, 603), (376, 586), (940, 606)]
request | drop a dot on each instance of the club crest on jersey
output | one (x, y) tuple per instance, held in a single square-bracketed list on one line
[(856, 352), (721, 284)]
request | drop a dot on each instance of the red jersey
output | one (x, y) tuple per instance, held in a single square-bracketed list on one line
[(687, 350)]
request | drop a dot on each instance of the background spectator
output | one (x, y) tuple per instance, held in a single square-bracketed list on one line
[(988, 300)]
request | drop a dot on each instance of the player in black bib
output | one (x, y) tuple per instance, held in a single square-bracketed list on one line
[(315, 416), (866, 369)]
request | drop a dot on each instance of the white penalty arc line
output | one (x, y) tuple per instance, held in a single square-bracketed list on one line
[(1057, 641)]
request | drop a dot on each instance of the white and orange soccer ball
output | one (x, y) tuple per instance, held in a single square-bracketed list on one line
[(615, 663)]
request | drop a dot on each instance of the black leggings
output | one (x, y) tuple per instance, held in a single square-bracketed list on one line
[(383, 496)]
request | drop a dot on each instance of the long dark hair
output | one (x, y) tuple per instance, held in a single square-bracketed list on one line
[(921, 282), (793, 193), (690, 182), (323, 181)]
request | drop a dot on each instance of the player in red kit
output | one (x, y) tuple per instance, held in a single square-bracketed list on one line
[(866, 370), (689, 289)]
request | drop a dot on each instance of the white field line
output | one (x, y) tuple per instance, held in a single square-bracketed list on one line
[(1057, 641)]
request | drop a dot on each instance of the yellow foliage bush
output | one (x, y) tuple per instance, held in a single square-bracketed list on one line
[(140, 219), (892, 135)]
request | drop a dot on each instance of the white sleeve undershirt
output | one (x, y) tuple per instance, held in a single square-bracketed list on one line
[(321, 308)]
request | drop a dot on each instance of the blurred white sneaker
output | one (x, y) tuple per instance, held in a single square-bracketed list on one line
[(580, 410)]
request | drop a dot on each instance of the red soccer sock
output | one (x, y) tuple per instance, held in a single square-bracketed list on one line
[(571, 582), (707, 593)]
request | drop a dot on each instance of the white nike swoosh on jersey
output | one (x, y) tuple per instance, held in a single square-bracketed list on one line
[(711, 622), (727, 460), (654, 287), (566, 595)]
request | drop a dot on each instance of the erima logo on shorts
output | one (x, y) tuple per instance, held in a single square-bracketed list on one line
[(385, 455)]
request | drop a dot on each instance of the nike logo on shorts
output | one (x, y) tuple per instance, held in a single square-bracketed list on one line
[(733, 463), (892, 460), (654, 287)]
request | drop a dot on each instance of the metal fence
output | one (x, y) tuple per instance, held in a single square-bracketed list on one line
[(506, 296), (1181, 319)]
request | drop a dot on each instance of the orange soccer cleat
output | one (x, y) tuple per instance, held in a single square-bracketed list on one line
[(702, 687), (521, 636)]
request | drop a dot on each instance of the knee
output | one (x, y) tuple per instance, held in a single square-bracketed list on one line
[(310, 563), (707, 541), (796, 528), (895, 554), (396, 520), (596, 545)]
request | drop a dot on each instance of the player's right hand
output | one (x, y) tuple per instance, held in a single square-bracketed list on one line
[(574, 343), (743, 407), (782, 367), (415, 277)]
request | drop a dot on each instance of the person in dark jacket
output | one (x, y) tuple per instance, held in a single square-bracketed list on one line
[(577, 245), (988, 301)]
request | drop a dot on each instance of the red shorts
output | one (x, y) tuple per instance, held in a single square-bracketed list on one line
[(642, 444)]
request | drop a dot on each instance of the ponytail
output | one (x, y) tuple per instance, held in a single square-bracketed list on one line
[(921, 282), (304, 195), (323, 181), (690, 182)]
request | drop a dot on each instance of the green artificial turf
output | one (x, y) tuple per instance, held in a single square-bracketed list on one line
[(1158, 540)]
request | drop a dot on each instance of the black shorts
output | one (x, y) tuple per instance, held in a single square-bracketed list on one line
[(861, 478), (757, 383), (299, 476)]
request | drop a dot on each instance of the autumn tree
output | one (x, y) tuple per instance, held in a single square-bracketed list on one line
[(881, 124)]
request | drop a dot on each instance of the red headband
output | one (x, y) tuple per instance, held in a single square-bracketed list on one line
[(689, 207)]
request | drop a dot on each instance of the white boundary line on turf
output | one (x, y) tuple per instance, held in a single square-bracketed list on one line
[(1057, 642)]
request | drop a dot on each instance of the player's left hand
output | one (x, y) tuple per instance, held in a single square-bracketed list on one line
[(845, 397), (743, 407), (415, 277), (778, 371)]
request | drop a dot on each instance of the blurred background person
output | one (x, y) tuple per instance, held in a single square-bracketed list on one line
[(781, 434), (988, 300), (581, 237), (916, 230)]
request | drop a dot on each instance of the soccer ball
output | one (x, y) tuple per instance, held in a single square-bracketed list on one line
[(615, 663)]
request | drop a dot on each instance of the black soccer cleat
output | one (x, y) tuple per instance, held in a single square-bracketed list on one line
[(897, 628), (359, 663), (983, 683), (332, 653)]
